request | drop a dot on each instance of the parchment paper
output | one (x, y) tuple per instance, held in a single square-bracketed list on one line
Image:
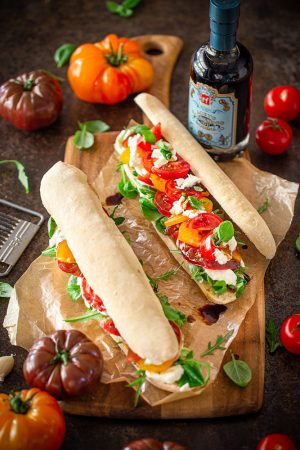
[(40, 303)]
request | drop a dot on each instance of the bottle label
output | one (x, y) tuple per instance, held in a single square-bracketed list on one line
[(212, 116)]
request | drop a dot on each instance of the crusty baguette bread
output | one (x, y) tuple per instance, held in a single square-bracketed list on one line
[(108, 263), (238, 208)]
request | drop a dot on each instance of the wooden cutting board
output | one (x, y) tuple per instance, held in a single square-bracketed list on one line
[(222, 398)]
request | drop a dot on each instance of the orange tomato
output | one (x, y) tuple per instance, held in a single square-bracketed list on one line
[(30, 419), (174, 220), (109, 71), (125, 156), (158, 182), (207, 204), (64, 254), (189, 235)]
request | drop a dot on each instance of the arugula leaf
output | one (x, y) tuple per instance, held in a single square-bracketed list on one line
[(5, 289), (50, 251), (147, 192), (160, 224), (126, 188), (272, 336), (51, 227), (139, 382), (297, 243), (240, 286), (117, 220), (84, 137), (149, 210), (218, 212), (165, 149), (153, 282), (219, 286), (172, 314), (263, 207), (73, 288), (195, 203), (63, 54), (90, 314), (22, 177), (224, 232), (238, 371), (192, 375), (218, 344), (197, 273), (144, 131), (168, 274)]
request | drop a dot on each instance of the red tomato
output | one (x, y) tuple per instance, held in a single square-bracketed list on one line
[(276, 442), (173, 231), (91, 297), (133, 357), (172, 170), (290, 334), (110, 327), (283, 102), (145, 179), (207, 248), (71, 268), (148, 161), (194, 256), (157, 133), (205, 221), (163, 203), (274, 136), (172, 190)]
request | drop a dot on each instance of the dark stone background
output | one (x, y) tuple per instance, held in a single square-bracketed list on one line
[(30, 32)]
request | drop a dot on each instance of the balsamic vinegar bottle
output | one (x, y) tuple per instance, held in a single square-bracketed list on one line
[(221, 86)]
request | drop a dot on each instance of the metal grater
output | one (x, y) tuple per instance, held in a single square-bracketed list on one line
[(15, 234)]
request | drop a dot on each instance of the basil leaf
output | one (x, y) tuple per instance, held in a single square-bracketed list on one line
[(192, 374), (127, 189), (147, 192), (50, 251), (95, 126), (73, 288), (165, 149), (125, 12), (144, 131), (238, 371), (51, 227), (240, 286), (87, 316), (263, 207), (272, 336), (63, 54), (83, 139), (113, 7), (195, 203), (298, 243), (21, 172), (160, 224), (225, 231), (131, 3), (5, 289), (172, 314), (149, 210)]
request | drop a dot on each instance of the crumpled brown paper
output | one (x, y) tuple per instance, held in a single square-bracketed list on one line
[(40, 303)]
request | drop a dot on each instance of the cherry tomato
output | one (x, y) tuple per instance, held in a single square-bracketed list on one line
[(276, 442), (145, 179), (191, 232), (148, 161), (274, 136), (283, 102), (71, 268), (290, 334), (172, 190), (163, 203), (207, 247), (205, 221), (172, 170), (110, 327), (91, 297)]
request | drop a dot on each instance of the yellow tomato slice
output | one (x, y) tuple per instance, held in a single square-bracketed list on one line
[(158, 183), (189, 235), (175, 219), (64, 254), (125, 156), (236, 255), (207, 203), (155, 368)]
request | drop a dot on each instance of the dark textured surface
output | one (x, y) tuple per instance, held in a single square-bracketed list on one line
[(30, 32)]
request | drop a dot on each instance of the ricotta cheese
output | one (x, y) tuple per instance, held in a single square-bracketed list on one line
[(221, 258), (178, 206), (227, 275), (56, 238), (135, 160), (191, 213), (232, 244), (169, 376), (188, 182), (160, 159)]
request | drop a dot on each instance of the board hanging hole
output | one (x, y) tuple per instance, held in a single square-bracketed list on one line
[(153, 49)]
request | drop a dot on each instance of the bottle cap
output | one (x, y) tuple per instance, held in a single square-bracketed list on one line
[(224, 18)]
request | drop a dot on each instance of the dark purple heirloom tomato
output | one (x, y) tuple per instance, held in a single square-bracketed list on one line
[(152, 444), (65, 364), (30, 101)]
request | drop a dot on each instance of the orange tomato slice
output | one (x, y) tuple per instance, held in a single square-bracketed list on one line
[(64, 254), (175, 219), (158, 183), (157, 368), (236, 255), (207, 204), (189, 235), (125, 156)]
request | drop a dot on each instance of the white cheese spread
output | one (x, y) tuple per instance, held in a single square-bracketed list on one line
[(178, 206), (56, 238), (227, 275), (188, 182), (221, 258), (232, 244), (160, 159), (135, 160), (191, 213), (169, 376)]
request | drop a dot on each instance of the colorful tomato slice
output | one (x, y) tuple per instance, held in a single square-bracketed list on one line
[(91, 297), (125, 156), (148, 161), (173, 231), (172, 190), (71, 268), (110, 327), (146, 179), (189, 235), (205, 221), (64, 254), (207, 247), (175, 219), (158, 183), (191, 232), (163, 203), (172, 170)]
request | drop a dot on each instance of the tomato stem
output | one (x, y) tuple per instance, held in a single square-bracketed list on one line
[(28, 85), (61, 356), (18, 405), (297, 327), (116, 59)]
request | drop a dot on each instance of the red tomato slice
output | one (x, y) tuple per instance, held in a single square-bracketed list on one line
[(194, 256), (276, 442), (156, 130), (172, 190), (148, 162), (110, 327), (290, 334), (145, 146), (163, 203), (173, 231), (145, 179), (172, 170), (71, 268), (133, 357), (91, 297), (207, 248), (205, 221)]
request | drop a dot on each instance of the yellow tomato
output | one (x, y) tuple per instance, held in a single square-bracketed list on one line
[(125, 156), (207, 203), (158, 183), (189, 235), (175, 219), (64, 254)]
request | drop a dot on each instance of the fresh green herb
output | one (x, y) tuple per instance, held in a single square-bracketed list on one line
[(5, 289), (21, 172), (197, 273), (238, 371), (50, 251), (144, 131), (298, 243), (218, 344), (51, 227), (63, 54), (165, 149), (153, 282), (149, 210), (73, 288), (263, 207), (117, 220), (139, 382), (239, 242), (172, 314), (147, 192), (218, 212), (90, 314), (223, 233), (125, 9), (198, 188), (193, 375), (134, 172), (126, 188), (167, 275), (160, 224), (195, 203), (272, 336), (84, 137), (241, 282), (119, 165)]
